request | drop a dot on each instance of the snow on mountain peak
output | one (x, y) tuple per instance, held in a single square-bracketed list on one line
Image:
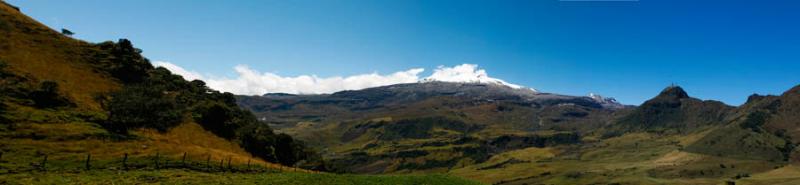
[(466, 73), (606, 101)]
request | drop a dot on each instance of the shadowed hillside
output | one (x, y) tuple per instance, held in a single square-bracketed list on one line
[(673, 111)]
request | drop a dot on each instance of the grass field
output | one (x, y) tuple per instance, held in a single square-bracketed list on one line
[(193, 177), (637, 158)]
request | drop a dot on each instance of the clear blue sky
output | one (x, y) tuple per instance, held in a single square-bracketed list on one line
[(722, 50)]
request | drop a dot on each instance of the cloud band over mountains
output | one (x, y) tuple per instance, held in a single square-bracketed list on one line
[(252, 82)]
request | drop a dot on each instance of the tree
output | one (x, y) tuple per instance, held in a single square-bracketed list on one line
[(140, 106), (47, 96), (123, 61), (223, 120), (67, 32), (259, 140)]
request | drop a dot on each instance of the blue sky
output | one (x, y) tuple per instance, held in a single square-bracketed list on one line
[(721, 50)]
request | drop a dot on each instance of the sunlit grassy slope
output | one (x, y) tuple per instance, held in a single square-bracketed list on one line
[(637, 158), (52, 145), (187, 177), (32, 48), (35, 51)]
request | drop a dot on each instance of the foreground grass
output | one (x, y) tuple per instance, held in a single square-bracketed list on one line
[(193, 177)]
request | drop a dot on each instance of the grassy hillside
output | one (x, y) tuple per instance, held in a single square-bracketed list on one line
[(32, 54), (189, 177), (31, 48), (73, 112)]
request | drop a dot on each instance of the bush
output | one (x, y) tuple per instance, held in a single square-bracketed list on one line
[(755, 121), (3, 109), (3, 72), (223, 120), (259, 140), (47, 96), (123, 61), (140, 106)]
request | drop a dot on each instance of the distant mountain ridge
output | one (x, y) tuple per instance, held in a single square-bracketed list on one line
[(348, 122), (482, 113), (478, 90), (674, 110)]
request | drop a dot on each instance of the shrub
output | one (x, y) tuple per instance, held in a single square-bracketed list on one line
[(221, 119), (3, 109), (141, 106), (123, 61), (754, 121), (47, 96), (259, 140)]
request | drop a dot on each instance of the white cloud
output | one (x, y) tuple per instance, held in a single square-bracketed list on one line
[(252, 82), (188, 75)]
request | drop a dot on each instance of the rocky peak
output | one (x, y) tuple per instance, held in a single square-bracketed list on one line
[(673, 92)]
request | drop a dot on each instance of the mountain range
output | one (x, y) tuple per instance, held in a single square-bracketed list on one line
[(483, 130), (74, 112)]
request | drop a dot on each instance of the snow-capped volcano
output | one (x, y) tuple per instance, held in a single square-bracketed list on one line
[(467, 73)]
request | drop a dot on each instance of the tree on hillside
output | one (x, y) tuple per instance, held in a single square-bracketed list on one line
[(259, 140), (222, 119), (140, 106), (123, 61), (67, 32), (47, 96)]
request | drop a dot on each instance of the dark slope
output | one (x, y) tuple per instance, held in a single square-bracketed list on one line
[(414, 99), (759, 129), (673, 110), (765, 128)]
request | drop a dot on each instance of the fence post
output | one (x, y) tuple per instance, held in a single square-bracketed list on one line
[(183, 161), (88, 163), (44, 163), (229, 162), (156, 160), (125, 162), (222, 164), (208, 162)]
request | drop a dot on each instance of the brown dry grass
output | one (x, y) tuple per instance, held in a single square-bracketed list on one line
[(41, 53), (72, 141), (33, 49)]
